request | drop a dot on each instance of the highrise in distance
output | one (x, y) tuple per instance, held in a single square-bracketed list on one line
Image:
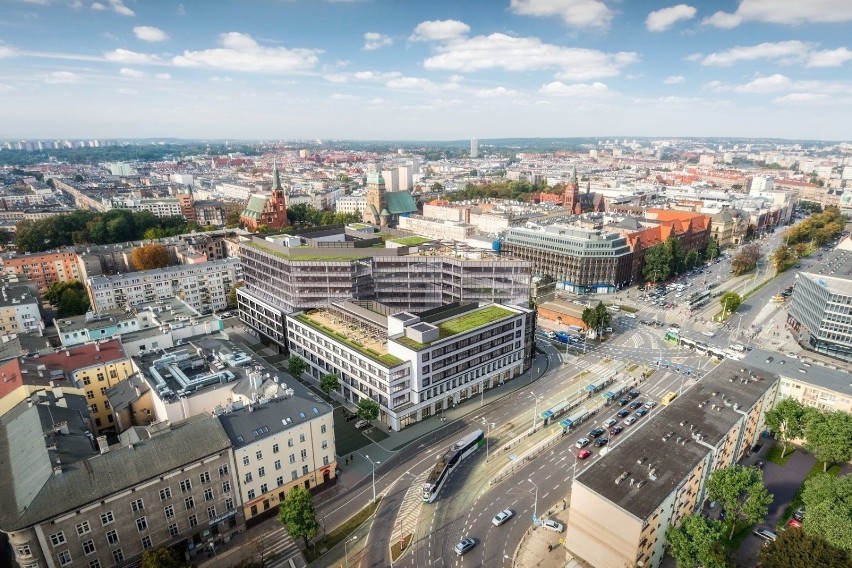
[(474, 148)]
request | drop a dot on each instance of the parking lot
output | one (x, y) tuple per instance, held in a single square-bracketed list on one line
[(349, 439)]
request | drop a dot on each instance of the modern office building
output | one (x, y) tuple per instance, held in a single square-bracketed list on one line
[(413, 365), (350, 265), (474, 148), (71, 500), (622, 504), (580, 260), (204, 286), (821, 306)]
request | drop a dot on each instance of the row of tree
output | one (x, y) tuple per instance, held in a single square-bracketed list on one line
[(669, 258), (818, 228), (827, 435), (745, 260)]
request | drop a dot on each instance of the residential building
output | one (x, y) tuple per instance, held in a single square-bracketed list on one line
[(20, 311), (580, 260), (43, 268), (26, 376), (204, 286), (161, 207), (623, 503), (821, 305), (413, 365), (728, 227), (351, 204), (66, 504), (474, 148)]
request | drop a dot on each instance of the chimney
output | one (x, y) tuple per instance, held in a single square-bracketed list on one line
[(103, 445), (97, 346), (57, 468), (61, 427), (67, 353)]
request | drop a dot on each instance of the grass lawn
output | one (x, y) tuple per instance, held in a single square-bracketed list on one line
[(628, 309), (412, 241), (773, 454), (398, 548), (632, 368), (472, 320), (338, 535), (797, 498)]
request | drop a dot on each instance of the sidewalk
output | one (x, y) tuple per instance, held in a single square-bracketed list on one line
[(542, 547)]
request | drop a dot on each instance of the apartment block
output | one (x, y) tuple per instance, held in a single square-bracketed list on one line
[(20, 311), (204, 286), (413, 364), (622, 504), (66, 504), (43, 268)]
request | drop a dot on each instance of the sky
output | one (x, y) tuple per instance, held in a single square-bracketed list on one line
[(425, 70)]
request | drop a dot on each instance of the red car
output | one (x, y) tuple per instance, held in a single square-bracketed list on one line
[(583, 454), (794, 523)]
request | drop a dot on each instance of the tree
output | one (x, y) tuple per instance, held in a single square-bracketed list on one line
[(657, 263), (597, 318), (696, 543), (232, 295), (676, 254), (297, 513), (712, 249), (70, 298), (232, 219), (781, 257), (368, 409), (437, 187), (828, 509), (795, 548), (787, 420), (329, 383), (150, 256), (730, 301), (746, 259), (829, 437), (692, 259), (740, 491), (296, 365), (162, 557)]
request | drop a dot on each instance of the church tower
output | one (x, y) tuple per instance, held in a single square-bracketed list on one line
[(571, 195), (377, 198)]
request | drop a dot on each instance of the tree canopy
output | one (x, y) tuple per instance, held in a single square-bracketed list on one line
[(329, 383), (787, 420), (303, 214), (70, 298), (597, 318), (696, 543), (828, 509), (730, 301), (818, 228), (656, 265), (795, 548), (746, 259), (740, 491), (829, 437), (162, 557), (296, 365), (368, 409), (297, 513), (150, 256), (712, 249)]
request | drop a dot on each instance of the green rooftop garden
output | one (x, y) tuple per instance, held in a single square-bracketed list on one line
[(411, 241), (472, 320), (384, 358), (411, 344), (356, 254)]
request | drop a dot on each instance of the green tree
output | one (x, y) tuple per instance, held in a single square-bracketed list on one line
[(746, 259), (740, 491), (70, 298), (232, 219), (712, 249), (232, 295), (296, 365), (730, 301), (329, 383), (657, 263), (437, 187), (162, 557), (829, 437), (297, 513), (781, 257), (590, 318), (828, 509), (696, 543), (692, 259), (787, 420), (368, 409), (796, 548), (676, 254)]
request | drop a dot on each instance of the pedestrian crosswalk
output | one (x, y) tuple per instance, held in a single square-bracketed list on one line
[(279, 550)]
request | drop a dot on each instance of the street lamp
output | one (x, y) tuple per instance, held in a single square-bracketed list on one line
[(374, 464), (489, 425), (346, 548), (535, 408), (535, 503)]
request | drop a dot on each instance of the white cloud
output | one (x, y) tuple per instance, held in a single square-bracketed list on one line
[(497, 92), (770, 84), (661, 20), (500, 51), (829, 57), (694, 57), (377, 101), (439, 30), (575, 13), (419, 84), (801, 98), (150, 33), (380, 76), (217, 79), (375, 40), (62, 77), (674, 80), (240, 52), (124, 91), (782, 51), (127, 56), (717, 86), (344, 97), (132, 73), (6, 51), (163, 76), (788, 12), (579, 90), (98, 6), (119, 8)]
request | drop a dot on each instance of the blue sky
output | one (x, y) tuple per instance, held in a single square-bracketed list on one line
[(412, 69)]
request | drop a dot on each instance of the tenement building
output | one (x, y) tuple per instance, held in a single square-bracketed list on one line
[(71, 500), (413, 364), (580, 260), (622, 504)]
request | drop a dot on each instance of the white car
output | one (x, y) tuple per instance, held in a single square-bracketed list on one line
[(362, 424), (610, 422), (630, 420), (552, 525), (709, 333), (502, 517), (582, 443)]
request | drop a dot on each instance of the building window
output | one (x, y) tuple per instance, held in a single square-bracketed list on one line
[(277, 464), (325, 444), (274, 448), (141, 524), (322, 429), (304, 470), (304, 454), (223, 470), (280, 480), (165, 494), (248, 477), (229, 504), (23, 551), (258, 456), (137, 505), (169, 511), (325, 460), (211, 513), (83, 528), (64, 558), (294, 475), (193, 521), (292, 458), (302, 438), (146, 542), (88, 547), (95, 563), (173, 530), (250, 494), (208, 494), (112, 536), (189, 502), (205, 477), (117, 555), (57, 538), (245, 460), (185, 485), (261, 471), (226, 487), (290, 443)]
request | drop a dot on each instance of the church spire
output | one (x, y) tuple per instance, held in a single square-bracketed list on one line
[(276, 177), (574, 174)]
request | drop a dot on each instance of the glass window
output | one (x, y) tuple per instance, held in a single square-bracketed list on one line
[(136, 505), (146, 542), (141, 524), (169, 511), (112, 536), (88, 547), (117, 555), (205, 477), (83, 528), (165, 494), (64, 558), (189, 502), (57, 538), (173, 530)]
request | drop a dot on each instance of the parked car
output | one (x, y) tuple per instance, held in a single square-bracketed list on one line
[(794, 523), (799, 515), (765, 534), (362, 424), (630, 420), (640, 413), (623, 413), (633, 394), (583, 442), (552, 525), (583, 454), (502, 517), (597, 432), (623, 401), (616, 430), (464, 546), (609, 422), (635, 404), (650, 404), (601, 442)]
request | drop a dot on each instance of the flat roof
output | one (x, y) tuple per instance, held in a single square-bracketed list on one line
[(664, 443), (473, 319), (812, 373)]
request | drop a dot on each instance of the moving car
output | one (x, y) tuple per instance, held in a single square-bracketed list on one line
[(362, 424), (552, 525), (502, 517), (464, 546)]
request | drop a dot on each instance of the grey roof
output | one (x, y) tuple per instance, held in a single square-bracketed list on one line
[(125, 392), (837, 380), (16, 295), (26, 469), (644, 448)]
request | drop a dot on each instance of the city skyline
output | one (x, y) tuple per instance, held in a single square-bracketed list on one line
[(366, 69)]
